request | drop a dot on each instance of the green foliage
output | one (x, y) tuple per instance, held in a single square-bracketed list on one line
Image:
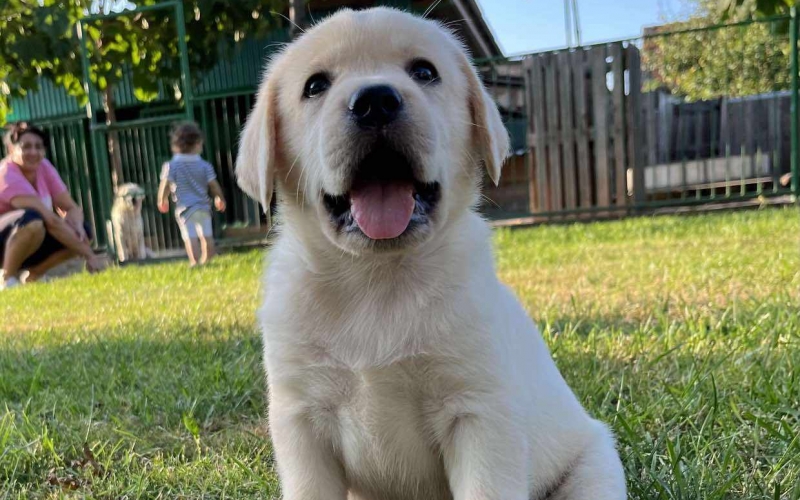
[(39, 39), (744, 9), (733, 61)]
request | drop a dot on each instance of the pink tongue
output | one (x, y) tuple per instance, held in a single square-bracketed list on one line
[(382, 211)]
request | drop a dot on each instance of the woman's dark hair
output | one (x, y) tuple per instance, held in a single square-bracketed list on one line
[(185, 136), (17, 130)]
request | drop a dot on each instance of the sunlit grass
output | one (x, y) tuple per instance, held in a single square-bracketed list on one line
[(682, 333)]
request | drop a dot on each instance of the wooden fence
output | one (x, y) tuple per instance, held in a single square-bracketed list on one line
[(740, 141), (582, 128), (594, 145)]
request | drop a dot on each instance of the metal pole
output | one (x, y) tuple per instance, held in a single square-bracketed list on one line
[(567, 23), (102, 182), (186, 77), (87, 83), (795, 161), (297, 17), (576, 22)]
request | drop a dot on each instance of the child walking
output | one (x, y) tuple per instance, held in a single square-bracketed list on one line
[(190, 178)]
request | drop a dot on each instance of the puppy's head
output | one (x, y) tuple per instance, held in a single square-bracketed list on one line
[(130, 196), (375, 126)]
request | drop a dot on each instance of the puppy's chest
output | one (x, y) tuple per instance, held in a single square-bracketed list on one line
[(383, 425)]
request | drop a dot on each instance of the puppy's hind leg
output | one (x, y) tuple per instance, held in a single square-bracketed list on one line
[(597, 474), (142, 247), (119, 242)]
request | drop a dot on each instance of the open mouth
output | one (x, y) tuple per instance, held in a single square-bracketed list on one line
[(385, 200)]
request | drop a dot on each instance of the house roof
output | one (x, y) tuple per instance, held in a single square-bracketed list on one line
[(478, 29), (465, 15)]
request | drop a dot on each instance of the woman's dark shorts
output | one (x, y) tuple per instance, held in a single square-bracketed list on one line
[(20, 218)]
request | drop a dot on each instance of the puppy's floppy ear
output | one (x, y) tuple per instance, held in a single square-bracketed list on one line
[(489, 135), (258, 154)]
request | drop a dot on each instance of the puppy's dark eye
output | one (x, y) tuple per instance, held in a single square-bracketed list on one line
[(316, 84), (423, 71)]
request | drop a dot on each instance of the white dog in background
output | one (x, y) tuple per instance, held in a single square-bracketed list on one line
[(399, 367), (127, 223)]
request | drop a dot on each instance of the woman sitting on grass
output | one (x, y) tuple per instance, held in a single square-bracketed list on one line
[(33, 237)]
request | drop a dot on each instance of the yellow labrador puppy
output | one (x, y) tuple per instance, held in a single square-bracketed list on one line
[(399, 367), (127, 223)]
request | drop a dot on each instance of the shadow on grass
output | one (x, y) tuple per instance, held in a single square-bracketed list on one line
[(190, 400), (154, 380), (702, 406)]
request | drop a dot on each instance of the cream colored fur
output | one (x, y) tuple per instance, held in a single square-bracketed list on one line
[(127, 223), (412, 373)]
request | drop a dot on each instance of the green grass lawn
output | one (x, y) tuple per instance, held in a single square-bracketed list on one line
[(682, 333)]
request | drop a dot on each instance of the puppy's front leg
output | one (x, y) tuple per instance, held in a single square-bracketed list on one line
[(122, 255), (486, 454), (306, 465)]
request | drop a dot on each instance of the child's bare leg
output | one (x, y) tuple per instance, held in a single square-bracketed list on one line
[(192, 249), (196, 250), (209, 250)]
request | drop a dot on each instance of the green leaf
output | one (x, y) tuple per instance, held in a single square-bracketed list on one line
[(136, 55), (39, 41), (191, 425)]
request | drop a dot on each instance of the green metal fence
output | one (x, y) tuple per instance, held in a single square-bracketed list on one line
[(68, 150)]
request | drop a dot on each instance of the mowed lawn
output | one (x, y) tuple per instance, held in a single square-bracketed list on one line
[(682, 333)]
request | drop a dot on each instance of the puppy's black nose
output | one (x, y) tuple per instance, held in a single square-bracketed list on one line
[(375, 106)]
